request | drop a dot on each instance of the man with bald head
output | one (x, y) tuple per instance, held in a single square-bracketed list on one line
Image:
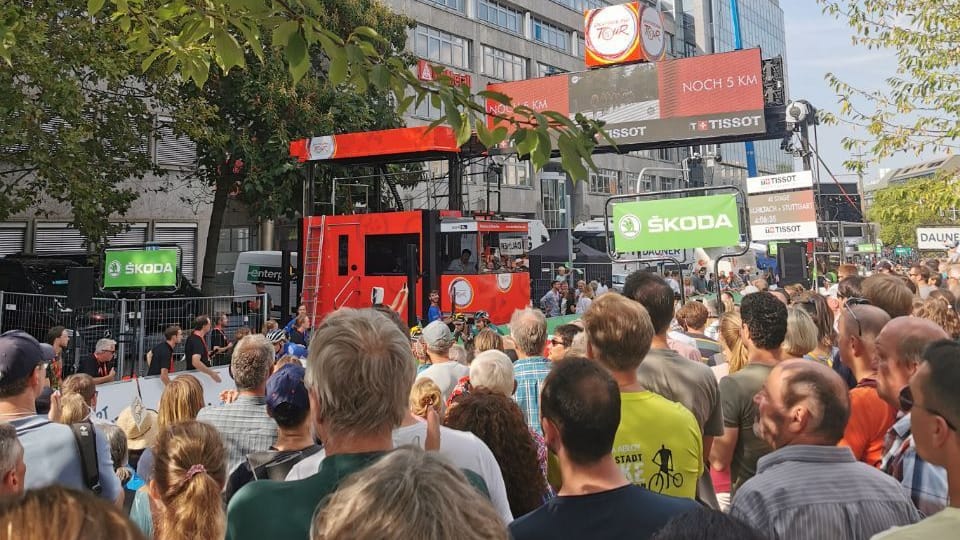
[(870, 416), (808, 487), (899, 348)]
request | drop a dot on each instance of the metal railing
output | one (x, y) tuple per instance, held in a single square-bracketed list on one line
[(137, 324)]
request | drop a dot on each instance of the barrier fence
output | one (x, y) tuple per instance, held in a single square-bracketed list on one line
[(137, 324)]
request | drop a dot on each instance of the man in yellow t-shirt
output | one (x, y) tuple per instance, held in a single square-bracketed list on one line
[(658, 444)]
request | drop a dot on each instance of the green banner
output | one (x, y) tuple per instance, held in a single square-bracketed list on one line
[(690, 222), (140, 268)]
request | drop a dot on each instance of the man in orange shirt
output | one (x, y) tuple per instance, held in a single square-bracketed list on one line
[(870, 416)]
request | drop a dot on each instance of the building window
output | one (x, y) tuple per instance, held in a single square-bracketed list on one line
[(427, 111), (545, 70), (439, 46), (386, 254), (503, 65), (452, 4), (500, 15), (551, 36), (689, 49), (581, 5), (646, 185), (630, 181), (516, 173), (603, 181)]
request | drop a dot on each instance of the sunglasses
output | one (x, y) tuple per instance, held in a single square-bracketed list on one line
[(907, 403), (856, 302)]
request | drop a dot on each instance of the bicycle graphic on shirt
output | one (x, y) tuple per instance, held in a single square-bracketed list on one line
[(665, 475)]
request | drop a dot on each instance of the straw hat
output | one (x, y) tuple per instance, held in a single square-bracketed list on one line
[(141, 428)]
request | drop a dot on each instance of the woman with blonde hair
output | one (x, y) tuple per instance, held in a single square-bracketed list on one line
[(585, 298), (802, 336), (487, 340), (181, 400), (731, 347), (425, 395), (411, 494), (189, 475), (939, 311), (74, 409), (59, 512)]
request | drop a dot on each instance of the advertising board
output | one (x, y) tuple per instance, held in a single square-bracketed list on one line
[(141, 268), (687, 98), (671, 224), (937, 238), (623, 33), (783, 216), (780, 182)]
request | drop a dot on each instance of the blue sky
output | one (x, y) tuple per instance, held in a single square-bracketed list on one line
[(817, 44)]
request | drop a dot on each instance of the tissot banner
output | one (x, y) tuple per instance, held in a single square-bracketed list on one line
[(783, 216), (689, 222)]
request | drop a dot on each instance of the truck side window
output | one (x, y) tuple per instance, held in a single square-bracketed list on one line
[(386, 254), (343, 248)]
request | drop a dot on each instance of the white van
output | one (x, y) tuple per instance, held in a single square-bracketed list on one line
[(263, 267)]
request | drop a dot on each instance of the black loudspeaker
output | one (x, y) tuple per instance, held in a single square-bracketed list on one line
[(792, 263), (81, 286)]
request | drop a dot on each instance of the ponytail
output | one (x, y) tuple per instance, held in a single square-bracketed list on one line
[(190, 472)]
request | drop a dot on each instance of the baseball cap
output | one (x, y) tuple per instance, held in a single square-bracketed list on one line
[(437, 335), (47, 350), (19, 355), (286, 386)]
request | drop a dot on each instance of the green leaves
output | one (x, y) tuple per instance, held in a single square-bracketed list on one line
[(229, 52), (94, 6)]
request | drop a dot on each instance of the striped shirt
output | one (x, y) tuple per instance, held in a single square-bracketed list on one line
[(529, 374), (244, 426), (811, 492), (925, 482)]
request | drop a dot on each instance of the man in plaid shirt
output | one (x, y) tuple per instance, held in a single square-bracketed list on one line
[(899, 348), (528, 328)]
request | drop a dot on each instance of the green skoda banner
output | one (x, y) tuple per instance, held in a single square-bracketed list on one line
[(141, 268), (690, 222)]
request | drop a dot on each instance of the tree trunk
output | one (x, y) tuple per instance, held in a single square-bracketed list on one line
[(220, 198)]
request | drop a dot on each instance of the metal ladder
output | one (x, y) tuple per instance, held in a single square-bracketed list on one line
[(312, 272)]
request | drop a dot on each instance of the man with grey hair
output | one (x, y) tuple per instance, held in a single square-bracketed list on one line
[(244, 424), (493, 370), (359, 383), (99, 365), (528, 327), (443, 370), (12, 468)]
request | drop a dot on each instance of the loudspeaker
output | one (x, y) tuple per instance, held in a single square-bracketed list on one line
[(792, 263), (81, 286)]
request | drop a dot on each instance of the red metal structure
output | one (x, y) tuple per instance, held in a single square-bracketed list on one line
[(396, 258)]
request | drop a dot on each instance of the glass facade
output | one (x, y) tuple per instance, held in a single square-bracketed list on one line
[(604, 181), (500, 15), (761, 25), (581, 5), (452, 4), (440, 46), (551, 35), (503, 65)]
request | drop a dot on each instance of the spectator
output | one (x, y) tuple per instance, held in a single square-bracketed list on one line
[(289, 405), (699, 282), (550, 302), (734, 352), (665, 372), (121, 464), (188, 477), (160, 358), (497, 421), (195, 351), (73, 410), (585, 298), (816, 306), (562, 340), (706, 524), (434, 313), (256, 305), (463, 449), (50, 450), (443, 371), (692, 316), (99, 364), (300, 333), (58, 512), (581, 415), (849, 287), (899, 348), (285, 361), (870, 416), (425, 396), (802, 336), (12, 467), (529, 329), (411, 494), (888, 293), (932, 398), (941, 312), (458, 354), (658, 443), (220, 344), (269, 326), (359, 384), (487, 340), (808, 487), (763, 329), (920, 274), (59, 338), (180, 401), (84, 387), (244, 424)]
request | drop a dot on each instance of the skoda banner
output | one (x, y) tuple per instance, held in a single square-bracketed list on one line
[(141, 268), (690, 222)]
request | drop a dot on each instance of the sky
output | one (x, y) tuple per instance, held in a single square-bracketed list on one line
[(818, 43)]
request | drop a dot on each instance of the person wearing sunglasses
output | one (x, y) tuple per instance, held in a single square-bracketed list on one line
[(870, 416), (933, 403), (899, 348)]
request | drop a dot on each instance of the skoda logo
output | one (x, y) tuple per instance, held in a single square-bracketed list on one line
[(114, 269), (629, 226)]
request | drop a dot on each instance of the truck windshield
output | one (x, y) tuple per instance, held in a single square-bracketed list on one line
[(458, 252)]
